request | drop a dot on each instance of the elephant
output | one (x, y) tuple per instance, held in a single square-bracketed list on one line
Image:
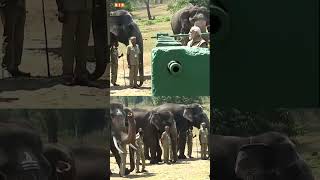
[(123, 132), (270, 155), (184, 116), (21, 152), (153, 124), (122, 27), (183, 20), (99, 30), (78, 162)]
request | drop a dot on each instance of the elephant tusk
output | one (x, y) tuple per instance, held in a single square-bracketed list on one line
[(116, 145), (68, 167), (132, 146)]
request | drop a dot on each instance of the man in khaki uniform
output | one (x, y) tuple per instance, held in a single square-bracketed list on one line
[(13, 17), (76, 18), (133, 53), (195, 38), (140, 151), (114, 63), (166, 144), (189, 141), (203, 137)]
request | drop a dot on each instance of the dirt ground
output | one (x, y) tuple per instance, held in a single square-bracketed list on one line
[(41, 91), (148, 31), (189, 169)]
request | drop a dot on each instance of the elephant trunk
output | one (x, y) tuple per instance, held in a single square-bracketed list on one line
[(174, 141), (130, 138)]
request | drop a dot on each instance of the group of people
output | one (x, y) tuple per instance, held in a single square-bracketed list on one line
[(167, 147), (133, 53), (76, 17)]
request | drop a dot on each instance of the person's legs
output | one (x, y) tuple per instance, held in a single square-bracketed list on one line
[(114, 71), (135, 76), (137, 161), (8, 18), (131, 75), (82, 39), (19, 37), (68, 45), (143, 161)]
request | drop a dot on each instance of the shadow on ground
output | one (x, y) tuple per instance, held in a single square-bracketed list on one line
[(35, 83)]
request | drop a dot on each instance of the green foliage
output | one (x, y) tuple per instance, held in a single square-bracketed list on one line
[(204, 3), (176, 5), (177, 99), (234, 122), (157, 19)]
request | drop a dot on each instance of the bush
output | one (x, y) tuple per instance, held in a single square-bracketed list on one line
[(204, 3), (177, 99), (176, 5), (235, 123)]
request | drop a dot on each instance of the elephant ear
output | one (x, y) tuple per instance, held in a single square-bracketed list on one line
[(253, 161), (3, 157), (153, 119)]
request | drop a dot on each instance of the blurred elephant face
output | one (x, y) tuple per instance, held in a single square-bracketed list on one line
[(121, 27), (118, 116), (195, 114), (21, 156), (161, 119), (262, 162), (254, 163)]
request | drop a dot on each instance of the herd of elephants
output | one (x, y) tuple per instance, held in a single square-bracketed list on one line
[(268, 156)]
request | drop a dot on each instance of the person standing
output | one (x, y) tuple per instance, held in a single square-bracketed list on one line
[(189, 141), (133, 53), (203, 137), (195, 38), (114, 63), (76, 18), (140, 151), (13, 17), (166, 144)]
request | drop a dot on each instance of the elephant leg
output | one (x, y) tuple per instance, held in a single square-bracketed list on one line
[(117, 156), (153, 151), (132, 163), (182, 144), (146, 152), (159, 152)]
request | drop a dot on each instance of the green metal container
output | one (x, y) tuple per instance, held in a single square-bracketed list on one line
[(180, 71)]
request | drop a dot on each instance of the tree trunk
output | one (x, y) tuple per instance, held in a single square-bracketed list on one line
[(147, 2)]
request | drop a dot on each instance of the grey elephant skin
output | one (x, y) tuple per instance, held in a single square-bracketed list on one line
[(185, 116), (21, 155), (153, 124), (181, 21), (267, 156), (123, 128), (77, 162), (122, 27)]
